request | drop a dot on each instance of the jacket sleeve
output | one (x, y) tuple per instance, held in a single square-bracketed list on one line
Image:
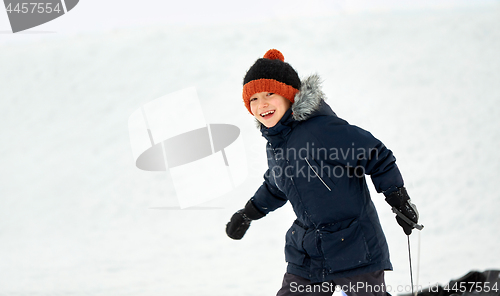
[(268, 197), (358, 150)]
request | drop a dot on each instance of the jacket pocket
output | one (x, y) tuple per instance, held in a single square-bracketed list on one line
[(294, 251), (345, 249)]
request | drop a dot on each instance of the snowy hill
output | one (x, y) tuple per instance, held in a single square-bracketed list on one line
[(77, 218)]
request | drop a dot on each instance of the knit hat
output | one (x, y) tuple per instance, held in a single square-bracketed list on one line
[(271, 74)]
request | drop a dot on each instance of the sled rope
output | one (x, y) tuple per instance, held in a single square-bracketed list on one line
[(418, 260), (411, 273)]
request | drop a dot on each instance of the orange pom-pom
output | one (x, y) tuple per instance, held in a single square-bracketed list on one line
[(274, 54)]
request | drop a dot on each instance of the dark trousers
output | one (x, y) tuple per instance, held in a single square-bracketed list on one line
[(367, 284)]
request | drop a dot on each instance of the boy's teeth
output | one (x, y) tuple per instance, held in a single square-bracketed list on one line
[(267, 113)]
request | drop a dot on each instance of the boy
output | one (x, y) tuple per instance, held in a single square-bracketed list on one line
[(318, 162)]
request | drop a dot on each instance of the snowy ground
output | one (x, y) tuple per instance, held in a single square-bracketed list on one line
[(77, 218)]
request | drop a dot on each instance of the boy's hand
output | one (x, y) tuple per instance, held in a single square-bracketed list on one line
[(407, 214), (240, 221), (238, 226)]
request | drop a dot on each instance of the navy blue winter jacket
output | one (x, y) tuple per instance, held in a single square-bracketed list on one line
[(318, 162)]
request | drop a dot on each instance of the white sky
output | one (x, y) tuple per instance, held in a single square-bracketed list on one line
[(100, 16)]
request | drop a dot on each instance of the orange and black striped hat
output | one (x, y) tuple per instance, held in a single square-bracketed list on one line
[(271, 74)]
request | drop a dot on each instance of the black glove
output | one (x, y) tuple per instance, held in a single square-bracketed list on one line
[(240, 221), (400, 202)]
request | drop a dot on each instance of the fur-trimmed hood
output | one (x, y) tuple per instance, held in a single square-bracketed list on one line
[(309, 98)]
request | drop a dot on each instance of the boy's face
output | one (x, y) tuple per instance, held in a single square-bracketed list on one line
[(268, 107)]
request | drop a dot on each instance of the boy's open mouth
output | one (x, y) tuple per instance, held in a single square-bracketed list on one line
[(267, 113)]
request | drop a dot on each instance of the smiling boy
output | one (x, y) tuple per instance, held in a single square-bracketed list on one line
[(337, 238), (268, 107)]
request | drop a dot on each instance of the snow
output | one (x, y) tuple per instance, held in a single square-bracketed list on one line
[(77, 218)]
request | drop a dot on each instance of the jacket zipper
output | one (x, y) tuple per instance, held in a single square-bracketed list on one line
[(276, 181), (318, 175)]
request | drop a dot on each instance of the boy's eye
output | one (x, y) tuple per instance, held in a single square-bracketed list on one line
[(252, 99), (270, 94)]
